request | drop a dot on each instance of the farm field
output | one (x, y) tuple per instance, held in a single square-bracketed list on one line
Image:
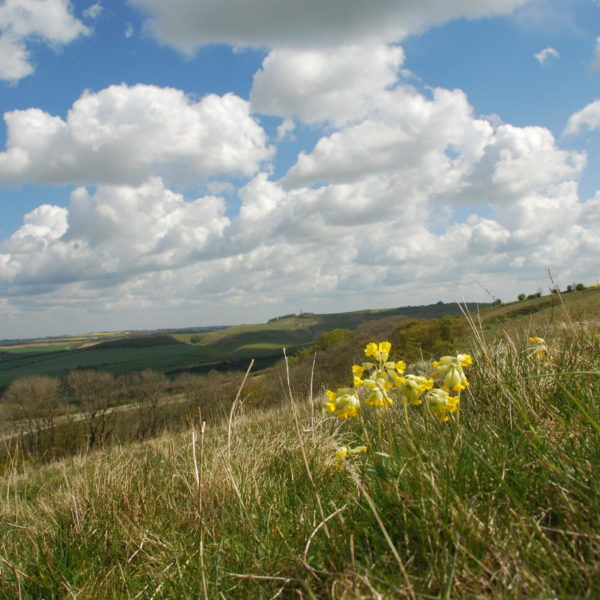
[(170, 353)]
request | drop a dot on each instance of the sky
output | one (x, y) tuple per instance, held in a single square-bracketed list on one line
[(211, 162)]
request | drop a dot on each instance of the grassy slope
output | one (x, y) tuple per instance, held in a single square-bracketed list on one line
[(541, 312), (503, 503)]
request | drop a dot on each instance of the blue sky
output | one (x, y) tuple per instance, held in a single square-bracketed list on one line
[(195, 162)]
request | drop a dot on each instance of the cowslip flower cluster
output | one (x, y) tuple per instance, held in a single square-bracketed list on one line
[(378, 378), (344, 452), (539, 349), (440, 403), (344, 403), (412, 388), (380, 381), (450, 369)]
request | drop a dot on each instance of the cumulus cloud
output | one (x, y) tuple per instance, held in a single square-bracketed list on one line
[(22, 21), (546, 55), (335, 84), (589, 117), (115, 232), (124, 134), (371, 207), (188, 24), (147, 246), (426, 140)]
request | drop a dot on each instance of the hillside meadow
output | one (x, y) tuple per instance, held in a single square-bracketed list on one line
[(492, 495)]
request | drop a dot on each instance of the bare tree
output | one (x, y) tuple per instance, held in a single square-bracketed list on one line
[(147, 388), (94, 393), (35, 401)]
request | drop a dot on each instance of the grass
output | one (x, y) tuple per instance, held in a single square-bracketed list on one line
[(503, 502)]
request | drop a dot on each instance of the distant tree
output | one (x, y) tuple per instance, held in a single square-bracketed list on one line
[(521, 297), (147, 388), (497, 302), (579, 287), (335, 336), (94, 393), (35, 401), (554, 290)]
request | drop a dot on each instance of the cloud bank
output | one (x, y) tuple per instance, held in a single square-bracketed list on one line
[(24, 21), (189, 24), (125, 134), (407, 196), (370, 216)]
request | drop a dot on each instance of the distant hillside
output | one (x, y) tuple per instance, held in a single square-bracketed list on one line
[(538, 313), (202, 348)]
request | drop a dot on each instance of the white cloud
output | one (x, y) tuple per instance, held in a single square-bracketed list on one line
[(41, 227), (285, 130), (22, 21), (188, 24), (116, 232), (93, 11), (589, 117), (427, 141), (148, 247), (517, 162), (334, 84), (381, 218), (546, 55), (124, 134)]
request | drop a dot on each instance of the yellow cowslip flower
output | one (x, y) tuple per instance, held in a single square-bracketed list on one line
[(412, 387), (378, 397), (344, 403), (465, 360), (400, 366), (440, 403), (539, 350), (450, 369), (358, 370), (379, 351), (342, 454)]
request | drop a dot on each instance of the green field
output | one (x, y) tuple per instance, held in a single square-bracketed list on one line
[(171, 353), (36, 349)]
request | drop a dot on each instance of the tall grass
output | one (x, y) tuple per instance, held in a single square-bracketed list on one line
[(502, 502)]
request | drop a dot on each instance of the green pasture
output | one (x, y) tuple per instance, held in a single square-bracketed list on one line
[(36, 349), (116, 360)]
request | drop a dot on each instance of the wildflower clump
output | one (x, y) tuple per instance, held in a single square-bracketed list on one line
[(450, 369), (344, 403), (538, 349), (344, 452), (440, 403), (379, 377), (379, 382)]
